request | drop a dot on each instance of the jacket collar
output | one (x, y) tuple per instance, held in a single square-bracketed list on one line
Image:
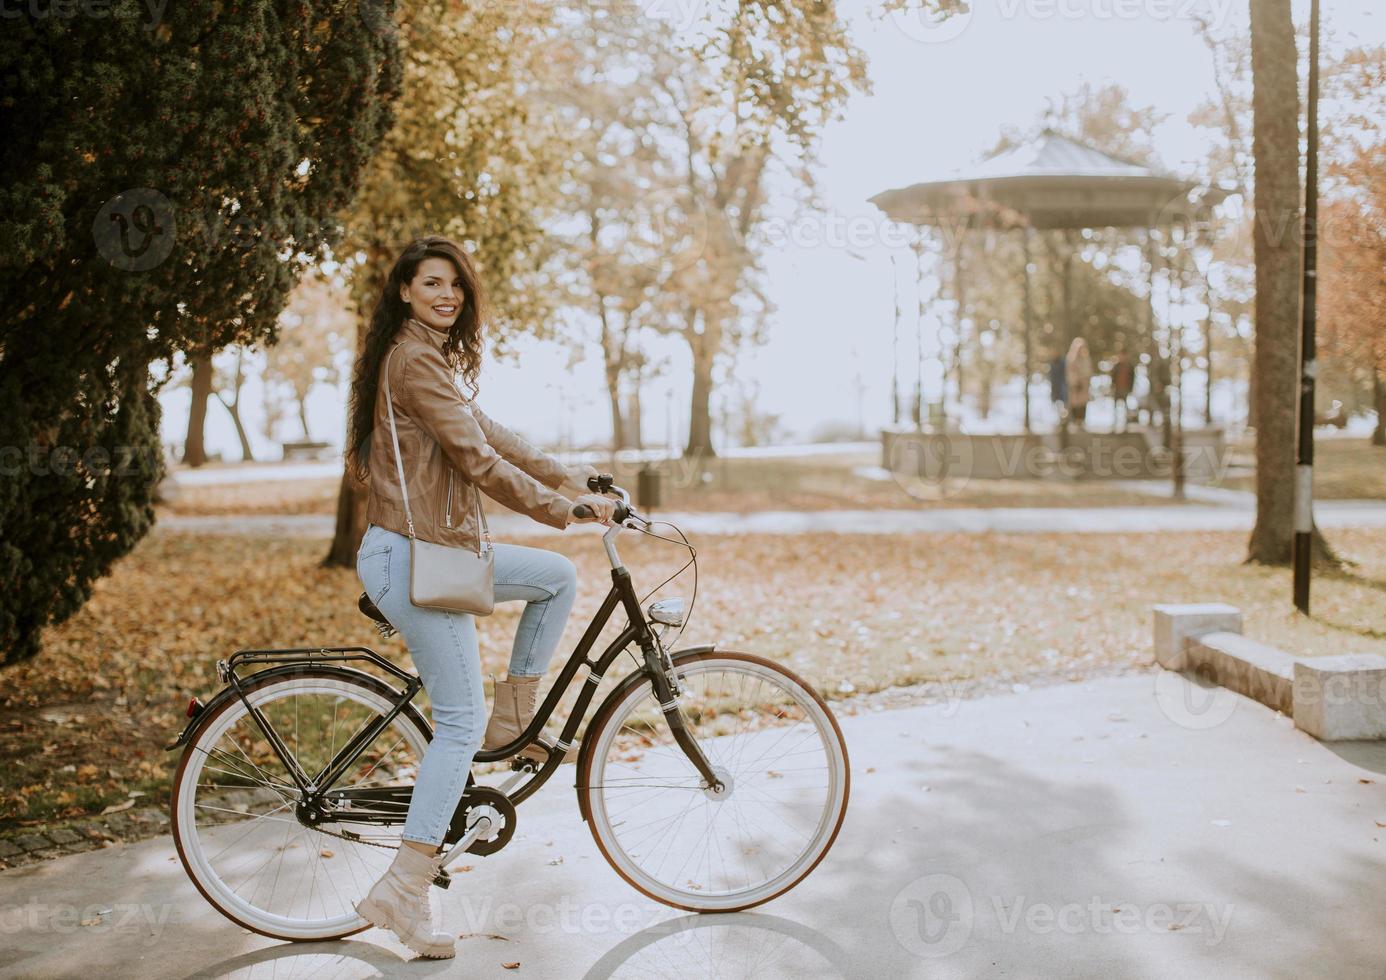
[(421, 331)]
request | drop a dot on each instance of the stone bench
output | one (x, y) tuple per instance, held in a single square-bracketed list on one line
[(1332, 698)]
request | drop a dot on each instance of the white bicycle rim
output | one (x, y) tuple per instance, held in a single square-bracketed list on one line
[(193, 839)]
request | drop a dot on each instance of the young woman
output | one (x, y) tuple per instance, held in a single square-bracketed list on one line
[(425, 330)]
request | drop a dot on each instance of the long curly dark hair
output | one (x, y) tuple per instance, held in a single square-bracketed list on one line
[(462, 349)]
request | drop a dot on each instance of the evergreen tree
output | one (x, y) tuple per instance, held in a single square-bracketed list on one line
[(170, 176)]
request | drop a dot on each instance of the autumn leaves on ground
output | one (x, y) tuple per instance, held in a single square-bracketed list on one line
[(83, 726)]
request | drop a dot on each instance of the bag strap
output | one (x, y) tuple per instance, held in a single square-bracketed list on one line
[(399, 468), (394, 436)]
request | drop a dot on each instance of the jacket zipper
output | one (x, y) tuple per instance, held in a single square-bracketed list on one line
[(449, 511)]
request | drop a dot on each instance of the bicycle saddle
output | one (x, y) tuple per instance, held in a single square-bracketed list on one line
[(369, 609)]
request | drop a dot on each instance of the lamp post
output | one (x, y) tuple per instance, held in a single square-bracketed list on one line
[(1304, 470)]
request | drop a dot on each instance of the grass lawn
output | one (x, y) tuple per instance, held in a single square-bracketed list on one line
[(738, 485), (1344, 469), (83, 725)]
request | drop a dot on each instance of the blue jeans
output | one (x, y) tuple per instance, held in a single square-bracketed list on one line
[(444, 648)]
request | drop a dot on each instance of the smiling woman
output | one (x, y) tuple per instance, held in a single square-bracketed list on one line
[(426, 453)]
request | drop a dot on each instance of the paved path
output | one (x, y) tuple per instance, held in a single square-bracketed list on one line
[(1008, 520), (1128, 827)]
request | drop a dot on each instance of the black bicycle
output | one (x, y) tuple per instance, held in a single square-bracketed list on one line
[(712, 781)]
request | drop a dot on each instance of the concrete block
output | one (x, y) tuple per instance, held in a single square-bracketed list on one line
[(1262, 673), (1342, 697), (1177, 623)]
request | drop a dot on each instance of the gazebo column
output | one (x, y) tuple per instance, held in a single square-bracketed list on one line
[(1157, 361), (919, 332), (959, 294), (1028, 305)]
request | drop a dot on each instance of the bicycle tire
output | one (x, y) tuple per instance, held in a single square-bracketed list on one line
[(375, 695), (606, 725)]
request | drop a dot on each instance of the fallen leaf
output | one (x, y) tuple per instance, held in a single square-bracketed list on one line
[(511, 966), (117, 807)]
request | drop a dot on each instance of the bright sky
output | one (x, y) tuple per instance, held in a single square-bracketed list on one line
[(939, 102)]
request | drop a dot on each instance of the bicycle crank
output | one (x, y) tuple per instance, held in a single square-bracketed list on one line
[(482, 803)]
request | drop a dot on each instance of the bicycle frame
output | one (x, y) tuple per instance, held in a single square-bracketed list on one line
[(314, 808)]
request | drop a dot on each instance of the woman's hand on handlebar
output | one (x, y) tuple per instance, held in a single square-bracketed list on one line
[(598, 508)]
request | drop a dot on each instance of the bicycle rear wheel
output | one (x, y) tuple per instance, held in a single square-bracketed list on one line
[(771, 740), (234, 804)]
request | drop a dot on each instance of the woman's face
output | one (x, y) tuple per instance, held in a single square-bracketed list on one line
[(435, 294)]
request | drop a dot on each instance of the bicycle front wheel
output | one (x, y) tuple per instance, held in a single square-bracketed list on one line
[(774, 745), (235, 816)]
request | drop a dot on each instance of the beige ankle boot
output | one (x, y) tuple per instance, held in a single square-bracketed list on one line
[(515, 701), (399, 902)]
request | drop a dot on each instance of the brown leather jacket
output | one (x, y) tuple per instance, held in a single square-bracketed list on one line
[(448, 445)]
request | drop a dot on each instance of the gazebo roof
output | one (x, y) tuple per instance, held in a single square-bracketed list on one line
[(1053, 181)]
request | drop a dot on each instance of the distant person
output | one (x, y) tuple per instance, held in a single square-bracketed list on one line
[(1058, 388), (1123, 383), (1078, 376), (1159, 392)]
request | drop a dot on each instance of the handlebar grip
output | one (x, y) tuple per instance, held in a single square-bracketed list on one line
[(582, 510)]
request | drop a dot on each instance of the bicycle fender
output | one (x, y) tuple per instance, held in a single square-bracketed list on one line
[(228, 693), (608, 703)]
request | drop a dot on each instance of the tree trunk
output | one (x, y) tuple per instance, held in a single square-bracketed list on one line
[(234, 410), (618, 421), (351, 522), (634, 421), (351, 503), (1275, 106), (1379, 393), (704, 347), (699, 410), (1208, 349), (303, 415), (195, 447), (352, 493)]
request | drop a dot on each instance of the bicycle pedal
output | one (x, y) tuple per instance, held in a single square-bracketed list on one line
[(443, 880)]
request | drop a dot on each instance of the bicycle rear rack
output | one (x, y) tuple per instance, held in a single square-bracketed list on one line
[(307, 655)]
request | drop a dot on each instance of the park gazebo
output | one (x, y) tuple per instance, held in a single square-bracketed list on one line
[(1052, 183)]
